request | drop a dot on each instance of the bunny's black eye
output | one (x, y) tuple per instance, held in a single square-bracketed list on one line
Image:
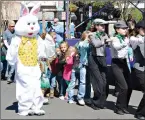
[(28, 23), (33, 23)]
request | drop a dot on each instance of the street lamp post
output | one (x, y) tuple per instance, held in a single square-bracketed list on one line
[(67, 19), (64, 20)]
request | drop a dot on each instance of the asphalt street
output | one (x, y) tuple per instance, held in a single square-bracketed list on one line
[(58, 109)]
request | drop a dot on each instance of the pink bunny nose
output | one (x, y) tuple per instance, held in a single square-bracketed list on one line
[(32, 28)]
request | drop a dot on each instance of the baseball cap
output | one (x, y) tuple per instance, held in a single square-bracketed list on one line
[(11, 23), (120, 24), (99, 22)]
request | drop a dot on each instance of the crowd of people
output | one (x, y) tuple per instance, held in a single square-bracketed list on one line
[(62, 65)]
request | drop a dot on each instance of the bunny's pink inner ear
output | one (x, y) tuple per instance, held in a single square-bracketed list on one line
[(25, 11), (35, 9), (35, 12)]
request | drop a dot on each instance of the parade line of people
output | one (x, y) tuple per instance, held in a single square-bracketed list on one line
[(45, 67)]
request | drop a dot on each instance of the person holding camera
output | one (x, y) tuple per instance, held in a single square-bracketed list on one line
[(58, 28), (97, 64)]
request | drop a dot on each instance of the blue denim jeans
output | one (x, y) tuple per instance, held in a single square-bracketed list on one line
[(52, 79), (72, 84), (10, 72), (82, 83)]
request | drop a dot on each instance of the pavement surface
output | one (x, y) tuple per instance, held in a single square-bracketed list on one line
[(58, 109)]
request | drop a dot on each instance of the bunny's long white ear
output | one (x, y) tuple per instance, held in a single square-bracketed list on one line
[(24, 10), (35, 9)]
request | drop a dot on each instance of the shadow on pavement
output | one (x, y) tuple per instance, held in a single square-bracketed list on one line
[(111, 105), (13, 107)]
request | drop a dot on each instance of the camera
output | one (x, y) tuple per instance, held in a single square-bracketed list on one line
[(49, 25)]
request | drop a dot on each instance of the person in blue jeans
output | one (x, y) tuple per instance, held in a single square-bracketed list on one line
[(79, 70), (80, 76), (52, 79)]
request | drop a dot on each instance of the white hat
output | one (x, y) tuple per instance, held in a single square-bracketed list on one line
[(99, 22)]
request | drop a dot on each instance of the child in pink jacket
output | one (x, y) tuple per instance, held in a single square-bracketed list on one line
[(71, 52)]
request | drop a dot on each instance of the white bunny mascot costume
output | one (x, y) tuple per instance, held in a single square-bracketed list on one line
[(23, 53)]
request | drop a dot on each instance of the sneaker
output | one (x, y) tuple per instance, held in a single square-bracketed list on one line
[(61, 97), (81, 102), (71, 102)]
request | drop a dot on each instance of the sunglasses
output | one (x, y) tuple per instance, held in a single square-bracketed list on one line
[(12, 26)]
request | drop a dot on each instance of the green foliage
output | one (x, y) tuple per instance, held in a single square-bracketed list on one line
[(97, 4), (71, 5), (82, 1), (136, 14)]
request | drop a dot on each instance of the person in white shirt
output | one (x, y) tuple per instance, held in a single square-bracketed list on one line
[(47, 50), (138, 45), (120, 68)]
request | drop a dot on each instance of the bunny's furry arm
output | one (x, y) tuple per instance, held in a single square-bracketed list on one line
[(12, 51)]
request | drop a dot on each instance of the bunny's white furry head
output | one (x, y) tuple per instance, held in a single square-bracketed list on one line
[(27, 24)]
